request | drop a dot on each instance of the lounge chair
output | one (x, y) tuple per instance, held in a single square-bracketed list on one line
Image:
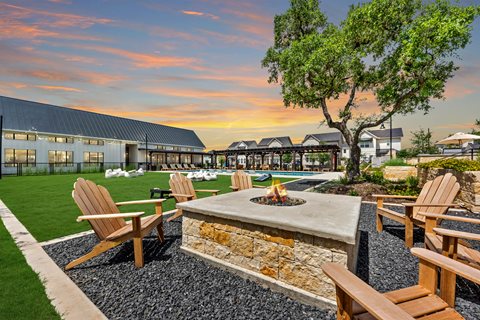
[(186, 167), (109, 224), (436, 197), (357, 300), (192, 166), (173, 167), (182, 190), (242, 181), (165, 167), (451, 243)]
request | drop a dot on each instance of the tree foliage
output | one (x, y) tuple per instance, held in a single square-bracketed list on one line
[(399, 51), (476, 130)]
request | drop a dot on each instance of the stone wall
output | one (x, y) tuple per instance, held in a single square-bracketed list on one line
[(290, 257), (469, 185), (397, 173)]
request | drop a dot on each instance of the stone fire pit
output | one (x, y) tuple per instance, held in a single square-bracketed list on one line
[(280, 246)]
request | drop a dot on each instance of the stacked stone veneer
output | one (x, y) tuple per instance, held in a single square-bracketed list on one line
[(398, 173), (290, 257), (469, 195)]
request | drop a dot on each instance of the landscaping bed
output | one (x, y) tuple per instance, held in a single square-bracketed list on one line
[(173, 285)]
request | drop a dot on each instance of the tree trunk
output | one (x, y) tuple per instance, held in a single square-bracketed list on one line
[(353, 165)]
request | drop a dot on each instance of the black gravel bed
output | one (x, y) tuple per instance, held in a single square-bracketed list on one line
[(303, 184), (173, 285)]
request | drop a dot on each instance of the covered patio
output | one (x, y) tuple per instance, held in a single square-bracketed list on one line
[(158, 157), (263, 158)]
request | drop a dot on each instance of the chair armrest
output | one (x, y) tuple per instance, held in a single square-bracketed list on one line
[(447, 263), (234, 188), (457, 234), (189, 196), (370, 299), (125, 203), (447, 217), (207, 190), (432, 205), (110, 216), (390, 196), (259, 186)]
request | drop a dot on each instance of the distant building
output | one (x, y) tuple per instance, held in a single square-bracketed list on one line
[(37, 134), (373, 143)]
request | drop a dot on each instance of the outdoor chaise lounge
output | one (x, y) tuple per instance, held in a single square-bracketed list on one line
[(99, 209), (192, 166), (165, 167), (182, 190), (436, 197), (173, 167), (357, 300), (241, 181)]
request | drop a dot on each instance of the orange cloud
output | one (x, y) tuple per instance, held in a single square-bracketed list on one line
[(198, 13), (143, 60), (58, 88)]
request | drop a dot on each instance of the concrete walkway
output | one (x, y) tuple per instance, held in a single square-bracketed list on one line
[(69, 301)]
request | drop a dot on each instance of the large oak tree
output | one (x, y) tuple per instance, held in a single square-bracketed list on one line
[(400, 51)]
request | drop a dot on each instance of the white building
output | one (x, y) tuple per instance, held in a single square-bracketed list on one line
[(374, 144), (38, 136)]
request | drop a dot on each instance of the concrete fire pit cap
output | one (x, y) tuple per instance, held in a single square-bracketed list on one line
[(323, 215)]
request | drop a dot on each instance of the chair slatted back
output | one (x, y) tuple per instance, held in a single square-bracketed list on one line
[(180, 184), (94, 199), (443, 189), (164, 167), (241, 180)]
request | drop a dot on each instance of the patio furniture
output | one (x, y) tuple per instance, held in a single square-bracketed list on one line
[(241, 181), (163, 193), (357, 300), (192, 166), (436, 197), (185, 166), (165, 167), (451, 243), (99, 209), (182, 190), (173, 167)]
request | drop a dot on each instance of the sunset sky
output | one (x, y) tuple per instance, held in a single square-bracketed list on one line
[(193, 64)]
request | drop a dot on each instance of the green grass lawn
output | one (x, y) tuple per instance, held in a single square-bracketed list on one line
[(22, 295), (45, 206)]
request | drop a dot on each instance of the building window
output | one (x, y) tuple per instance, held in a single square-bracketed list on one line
[(20, 136), (94, 142), (60, 139), (93, 157), (23, 156), (365, 144), (161, 147), (60, 158), (344, 150)]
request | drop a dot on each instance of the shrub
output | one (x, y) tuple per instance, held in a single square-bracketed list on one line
[(395, 162), (455, 164), (373, 177)]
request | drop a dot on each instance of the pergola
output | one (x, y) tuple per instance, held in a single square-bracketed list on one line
[(333, 149)]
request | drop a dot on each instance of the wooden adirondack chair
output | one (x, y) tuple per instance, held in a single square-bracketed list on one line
[(357, 300), (109, 224), (436, 197), (182, 190), (241, 181), (451, 243)]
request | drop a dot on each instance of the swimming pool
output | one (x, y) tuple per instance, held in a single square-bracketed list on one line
[(272, 172)]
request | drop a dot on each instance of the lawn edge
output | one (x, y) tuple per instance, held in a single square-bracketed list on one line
[(68, 300)]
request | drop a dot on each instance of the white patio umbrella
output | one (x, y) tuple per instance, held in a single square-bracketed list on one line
[(459, 138)]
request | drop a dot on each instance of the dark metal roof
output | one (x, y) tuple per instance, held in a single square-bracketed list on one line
[(284, 141), (328, 137), (267, 150), (250, 144), (24, 115), (385, 133)]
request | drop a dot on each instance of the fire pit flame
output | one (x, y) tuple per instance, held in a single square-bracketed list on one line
[(277, 192)]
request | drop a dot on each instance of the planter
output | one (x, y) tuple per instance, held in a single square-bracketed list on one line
[(398, 173), (469, 185)]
